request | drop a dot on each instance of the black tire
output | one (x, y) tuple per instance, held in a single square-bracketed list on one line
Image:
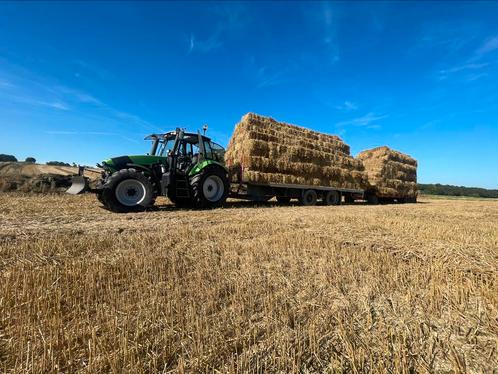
[(332, 198), (201, 183), (283, 199), (308, 198), (114, 192), (99, 197)]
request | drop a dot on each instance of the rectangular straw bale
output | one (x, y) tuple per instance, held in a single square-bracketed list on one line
[(393, 173), (267, 151)]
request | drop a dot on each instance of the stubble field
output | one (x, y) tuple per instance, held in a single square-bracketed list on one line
[(248, 288)]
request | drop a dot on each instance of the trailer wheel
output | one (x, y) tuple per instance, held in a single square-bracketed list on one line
[(332, 198), (283, 199), (308, 198)]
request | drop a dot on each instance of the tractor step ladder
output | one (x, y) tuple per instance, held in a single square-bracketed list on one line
[(182, 188)]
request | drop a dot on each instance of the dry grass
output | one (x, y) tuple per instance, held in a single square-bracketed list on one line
[(248, 289)]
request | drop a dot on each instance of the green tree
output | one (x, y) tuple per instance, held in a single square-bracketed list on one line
[(7, 158), (31, 160)]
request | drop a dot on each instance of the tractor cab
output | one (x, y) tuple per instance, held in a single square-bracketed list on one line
[(185, 150)]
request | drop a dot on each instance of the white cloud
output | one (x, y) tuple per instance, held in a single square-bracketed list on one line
[(465, 68), (207, 45), (192, 43), (57, 105), (363, 121), (489, 45), (347, 106)]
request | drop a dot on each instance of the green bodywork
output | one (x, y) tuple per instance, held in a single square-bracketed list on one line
[(147, 160), (201, 165), (144, 160)]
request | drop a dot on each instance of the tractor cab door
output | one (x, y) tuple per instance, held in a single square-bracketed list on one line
[(189, 154)]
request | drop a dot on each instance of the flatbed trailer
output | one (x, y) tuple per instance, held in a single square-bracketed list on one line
[(305, 194)]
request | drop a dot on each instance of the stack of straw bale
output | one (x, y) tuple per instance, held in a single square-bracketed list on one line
[(393, 173), (263, 150)]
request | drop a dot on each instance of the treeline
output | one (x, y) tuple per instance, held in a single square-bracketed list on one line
[(12, 158), (449, 190)]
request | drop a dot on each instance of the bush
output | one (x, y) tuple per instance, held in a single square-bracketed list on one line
[(58, 163), (7, 158), (31, 160)]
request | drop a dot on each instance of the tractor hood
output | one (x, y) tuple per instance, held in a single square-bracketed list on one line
[(121, 162)]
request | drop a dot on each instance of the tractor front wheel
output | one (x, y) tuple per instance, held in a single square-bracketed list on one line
[(209, 188), (128, 190)]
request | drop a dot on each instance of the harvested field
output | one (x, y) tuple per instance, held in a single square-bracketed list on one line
[(393, 173), (246, 288), (263, 150)]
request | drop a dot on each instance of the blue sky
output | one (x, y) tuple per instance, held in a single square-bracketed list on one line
[(84, 81)]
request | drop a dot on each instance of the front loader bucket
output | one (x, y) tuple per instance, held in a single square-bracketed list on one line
[(79, 185)]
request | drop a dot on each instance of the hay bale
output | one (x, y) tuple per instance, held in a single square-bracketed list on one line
[(393, 173), (263, 150)]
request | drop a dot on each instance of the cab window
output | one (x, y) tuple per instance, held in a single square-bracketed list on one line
[(216, 152)]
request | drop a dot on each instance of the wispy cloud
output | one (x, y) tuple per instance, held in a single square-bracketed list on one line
[(489, 45), (363, 121), (447, 37), (207, 45), (464, 68), (476, 66), (347, 106), (231, 18), (267, 78), (191, 43), (30, 89), (33, 101), (330, 24)]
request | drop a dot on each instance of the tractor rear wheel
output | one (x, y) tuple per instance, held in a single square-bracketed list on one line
[(209, 188), (99, 197), (128, 190)]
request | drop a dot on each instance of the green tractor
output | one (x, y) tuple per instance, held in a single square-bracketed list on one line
[(186, 167)]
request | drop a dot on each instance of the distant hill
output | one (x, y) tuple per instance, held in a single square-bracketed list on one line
[(31, 177), (449, 190)]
